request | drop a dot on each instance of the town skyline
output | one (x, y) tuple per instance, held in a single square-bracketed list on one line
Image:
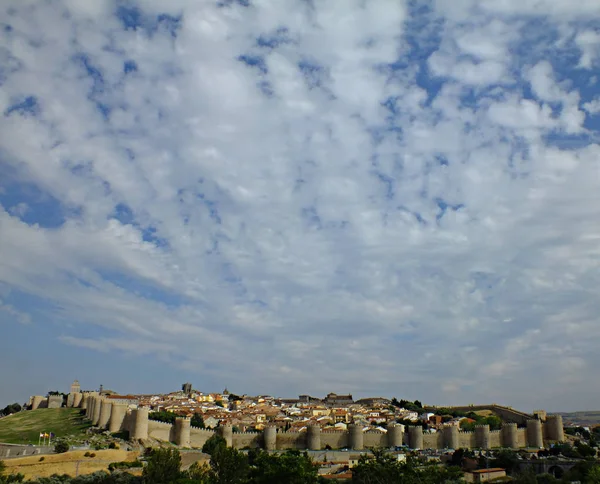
[(6, 399)]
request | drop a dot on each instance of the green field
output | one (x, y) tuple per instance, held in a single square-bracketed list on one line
[(25, 427)]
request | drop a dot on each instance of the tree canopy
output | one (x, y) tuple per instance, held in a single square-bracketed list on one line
[(383, 468)]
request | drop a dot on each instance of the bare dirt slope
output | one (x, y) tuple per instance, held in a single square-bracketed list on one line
[(68, 463)]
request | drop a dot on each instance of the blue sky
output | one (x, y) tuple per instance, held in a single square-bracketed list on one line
[(386, 198)]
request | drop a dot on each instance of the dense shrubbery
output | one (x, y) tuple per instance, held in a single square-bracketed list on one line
[(61, 446), (415, 406), (169, 417), (578, 451), (124, 465), (493, 421), (197, 421), (384, 468), (163, 416)]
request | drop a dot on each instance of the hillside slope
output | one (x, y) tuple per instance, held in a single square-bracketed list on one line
[(25, 427)]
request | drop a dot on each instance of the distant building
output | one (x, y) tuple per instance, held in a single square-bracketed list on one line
[(124, 399), (186, 388), (373, 401), (335, 399), (485, 475), (75, 387)]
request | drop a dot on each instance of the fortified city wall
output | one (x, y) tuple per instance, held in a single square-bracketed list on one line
[(116, 417)]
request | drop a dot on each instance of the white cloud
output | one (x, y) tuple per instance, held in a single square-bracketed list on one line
[(20, 209), (589, 43), (592, 107), (311, 211), (13, 313)]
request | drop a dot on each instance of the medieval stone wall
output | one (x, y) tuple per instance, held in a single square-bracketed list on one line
[(336, 439), (375, 438), (117, 417)]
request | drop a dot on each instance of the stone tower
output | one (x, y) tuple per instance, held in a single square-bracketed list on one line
[(226, 431), (356, 437), (36, 401), (554, 428), (97, 405), (482, 436), (105, 409), (509, 435), (183, 431), (415, 437), (395, 434), (535, 437), (451, 437), (140, 427), (75, 387), (270, 437), (313, 437), (117, 415)]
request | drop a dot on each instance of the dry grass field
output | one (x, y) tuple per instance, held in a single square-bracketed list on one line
[(71, 463)]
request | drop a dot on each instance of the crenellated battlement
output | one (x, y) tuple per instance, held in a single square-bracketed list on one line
[(158, 422)]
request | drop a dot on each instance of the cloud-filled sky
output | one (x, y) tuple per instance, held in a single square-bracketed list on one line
[(382, 197)]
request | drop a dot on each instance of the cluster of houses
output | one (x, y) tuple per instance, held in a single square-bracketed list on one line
[(254, 412)]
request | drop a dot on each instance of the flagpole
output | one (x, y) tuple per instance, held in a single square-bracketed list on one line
[(39, 439)]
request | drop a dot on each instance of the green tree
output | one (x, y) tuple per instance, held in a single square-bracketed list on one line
[(163, 466), (228, 466), (291, 467), (593, 475), (579, 472), (213, 443), (526, 477), (197, 421), (163, 416), (546, 479), (10, 409), (61, 446), (584, 450), (199, 474), (507, 459), (383, 468), (408, 405), (459, 456)]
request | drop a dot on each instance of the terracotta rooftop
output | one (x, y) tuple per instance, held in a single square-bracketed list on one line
[(486, 471)]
